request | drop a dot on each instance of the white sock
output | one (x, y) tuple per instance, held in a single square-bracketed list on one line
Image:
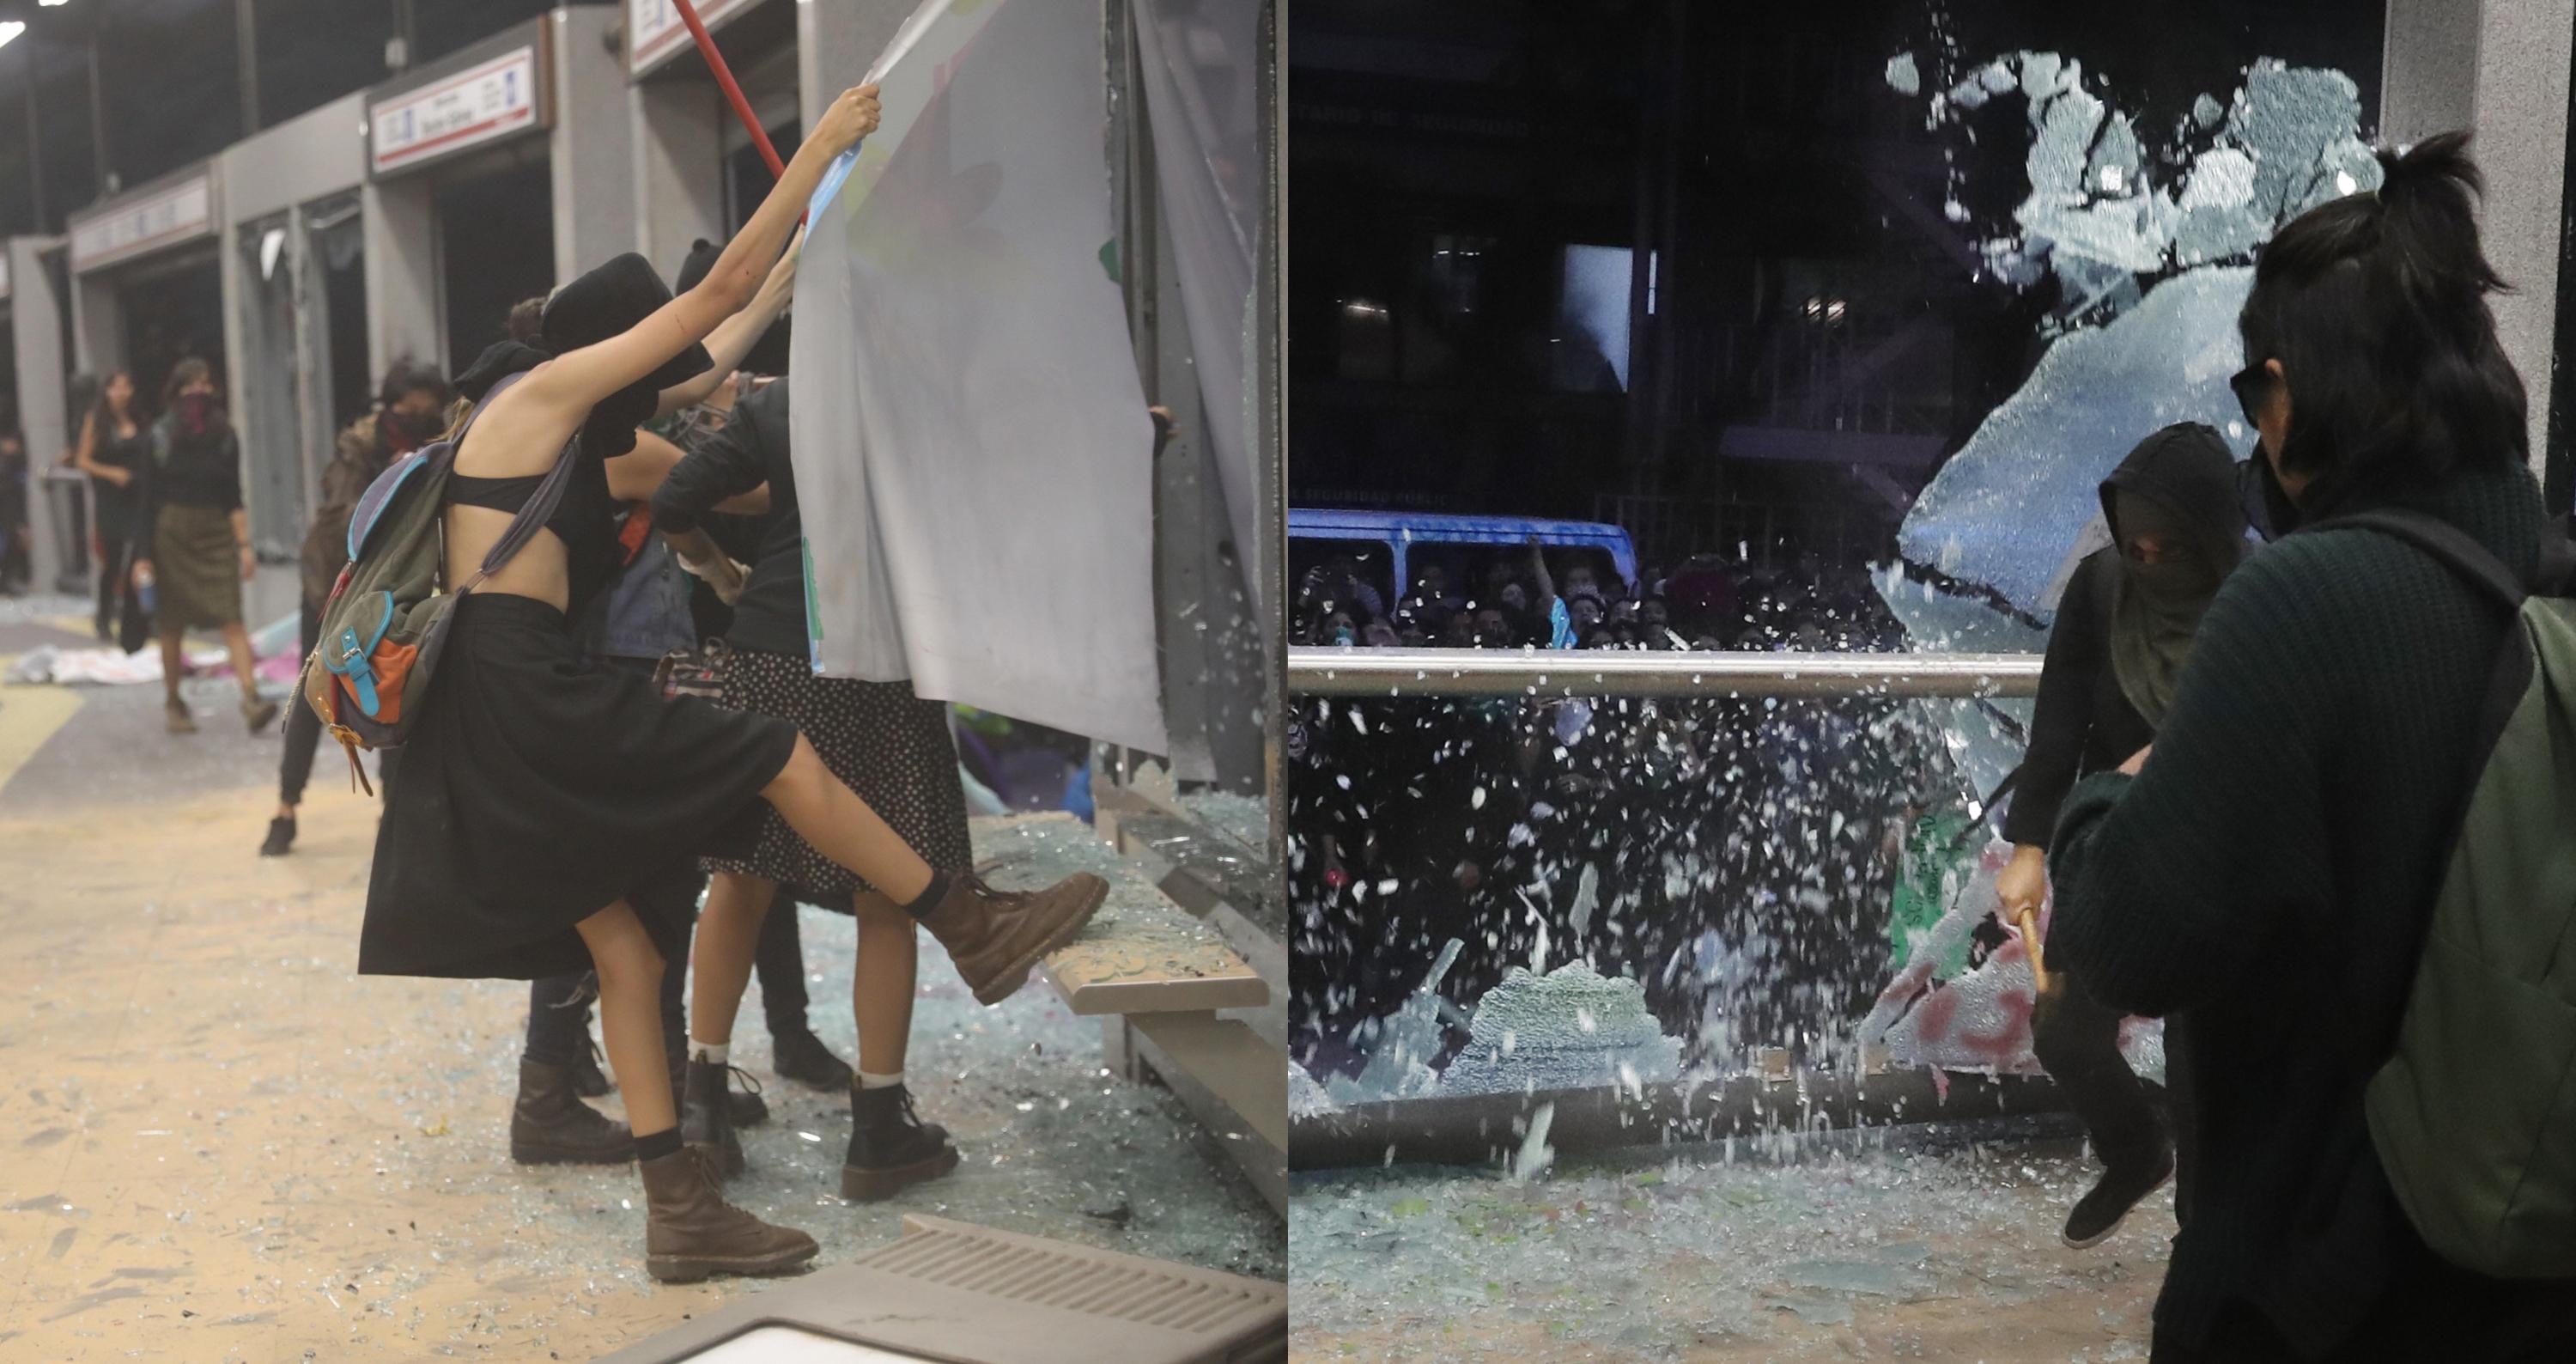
[(716, 1053), (872, 1081)]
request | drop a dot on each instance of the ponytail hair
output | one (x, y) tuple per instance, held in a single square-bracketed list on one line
[(2376, 306)]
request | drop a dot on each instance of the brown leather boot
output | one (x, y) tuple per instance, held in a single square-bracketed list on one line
[(551, 1125), (995, 936), (691, 1233)]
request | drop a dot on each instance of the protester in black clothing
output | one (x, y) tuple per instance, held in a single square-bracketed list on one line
[(114, 449), (2123, 630), (2268, 871), (194, 539), (16, 566), (411, 411)]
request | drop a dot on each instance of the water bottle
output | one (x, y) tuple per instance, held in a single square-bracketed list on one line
[(143, 586)]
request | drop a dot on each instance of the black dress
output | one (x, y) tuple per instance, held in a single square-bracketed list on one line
[(113, 508), (540, 787)]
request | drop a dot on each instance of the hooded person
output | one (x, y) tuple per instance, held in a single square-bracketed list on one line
[(540, 786), (2124, 630)]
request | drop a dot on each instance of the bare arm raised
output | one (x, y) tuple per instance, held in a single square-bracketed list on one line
[(541, 412), (733, 340)]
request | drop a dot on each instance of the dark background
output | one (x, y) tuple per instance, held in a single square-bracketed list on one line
[(1758, 153), (1443, 156)]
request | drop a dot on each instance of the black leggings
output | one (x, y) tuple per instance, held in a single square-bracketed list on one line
[(2078, 1042), (303, 727)]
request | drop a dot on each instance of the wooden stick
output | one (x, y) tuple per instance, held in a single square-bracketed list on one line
[(732, 91), (2028, 922)]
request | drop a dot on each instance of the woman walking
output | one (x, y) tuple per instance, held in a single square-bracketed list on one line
[(538, 787), (115, 450), (2122, 633), (2268, 871), (197, 552)]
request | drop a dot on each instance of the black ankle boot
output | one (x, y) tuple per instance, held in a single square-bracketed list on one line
[(588, 1080), (706, 1117), (890, 1146), (551, 1125), (797, 1054), (281, 837)]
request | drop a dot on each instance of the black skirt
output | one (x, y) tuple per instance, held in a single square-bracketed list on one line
[(539, 788), (890, 746)]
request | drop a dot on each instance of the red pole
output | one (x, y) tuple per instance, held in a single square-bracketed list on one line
[(733, 92)]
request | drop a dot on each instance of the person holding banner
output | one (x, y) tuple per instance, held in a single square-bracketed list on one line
[(539, 787)]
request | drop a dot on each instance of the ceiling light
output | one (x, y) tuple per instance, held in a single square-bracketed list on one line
[(10, 29)]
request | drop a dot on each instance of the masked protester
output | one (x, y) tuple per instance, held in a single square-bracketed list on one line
[(194, 539), (539, 788), (411, 412), (2268, 872), (2123, 631)]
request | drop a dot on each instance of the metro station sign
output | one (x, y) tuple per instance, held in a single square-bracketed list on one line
[(145, 223), (654, 29), (483, 103)]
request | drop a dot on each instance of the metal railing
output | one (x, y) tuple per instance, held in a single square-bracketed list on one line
[(1607, 672)]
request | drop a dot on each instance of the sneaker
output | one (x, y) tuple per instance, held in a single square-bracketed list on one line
[(798, 1055), (281, 837), (2122, 1187), (258, 714), (175, 715)]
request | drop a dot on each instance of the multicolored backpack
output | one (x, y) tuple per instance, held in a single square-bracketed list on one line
[(387, 616)]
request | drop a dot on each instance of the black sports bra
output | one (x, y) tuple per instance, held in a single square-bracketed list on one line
[(585, 520)]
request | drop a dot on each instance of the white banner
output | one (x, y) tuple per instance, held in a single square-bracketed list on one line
[(477, 105), (183, 212), (655, 30), (1202, 76), (973, 457)]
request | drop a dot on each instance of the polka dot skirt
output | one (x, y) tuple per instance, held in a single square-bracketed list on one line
[(892, 747)]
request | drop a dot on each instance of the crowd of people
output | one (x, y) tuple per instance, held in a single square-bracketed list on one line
[(622, 710), (1490, 600)]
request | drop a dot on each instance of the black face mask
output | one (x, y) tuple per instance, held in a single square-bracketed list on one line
[(399, 432)]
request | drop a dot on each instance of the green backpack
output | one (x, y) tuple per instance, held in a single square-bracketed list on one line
[(387, 617), (2474, 1116)]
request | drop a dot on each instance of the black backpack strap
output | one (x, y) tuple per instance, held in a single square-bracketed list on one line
[(541, 504), (2454, 548)]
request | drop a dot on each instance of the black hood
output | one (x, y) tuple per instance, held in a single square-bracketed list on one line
[(612, 299), (2189, 470)]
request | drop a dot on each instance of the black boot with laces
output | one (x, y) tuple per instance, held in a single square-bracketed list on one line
[(891, 1148)]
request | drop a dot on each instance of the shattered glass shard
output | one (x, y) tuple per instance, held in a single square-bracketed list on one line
[(1572, 1028)]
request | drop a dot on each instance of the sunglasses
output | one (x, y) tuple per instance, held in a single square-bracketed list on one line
[(2250, 384)]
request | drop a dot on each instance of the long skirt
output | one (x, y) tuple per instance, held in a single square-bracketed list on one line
[(890, 746), (196, 569), (538, 788)]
